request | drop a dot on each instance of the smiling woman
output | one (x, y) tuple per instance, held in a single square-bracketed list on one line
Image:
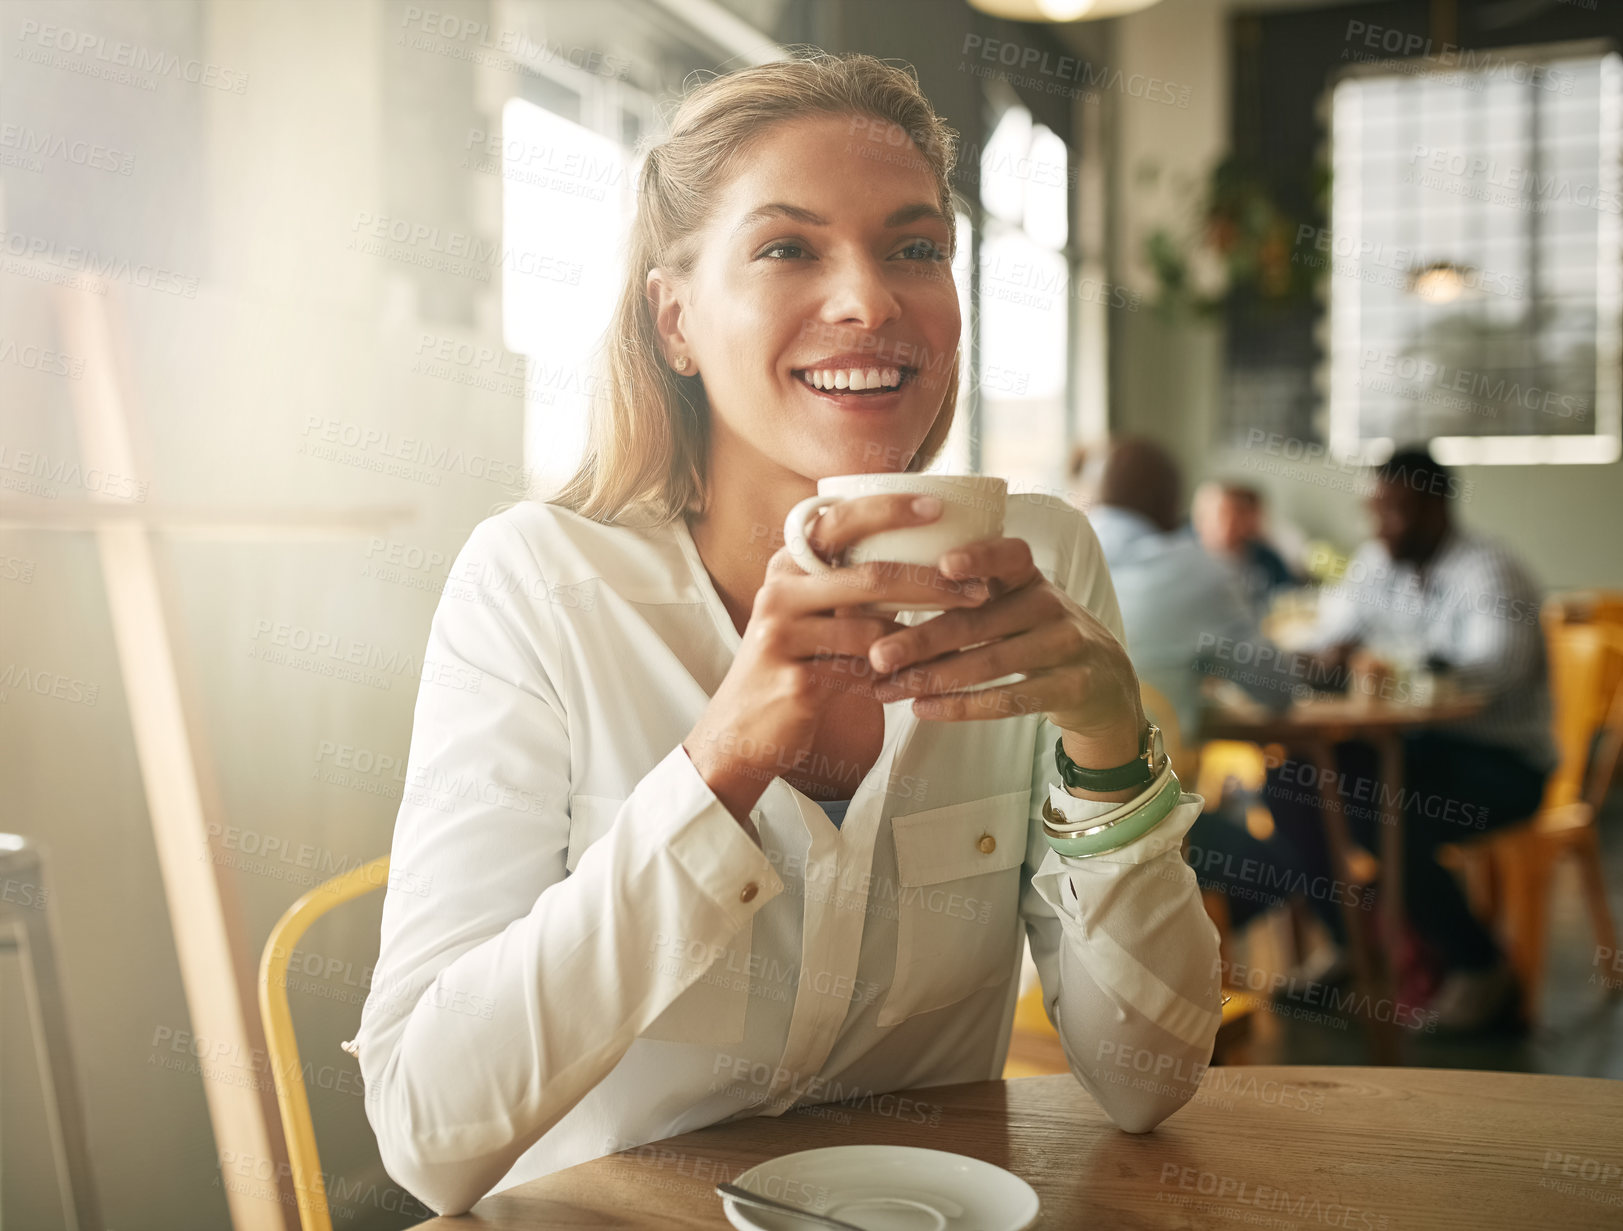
[(672, 931), (786, 196)]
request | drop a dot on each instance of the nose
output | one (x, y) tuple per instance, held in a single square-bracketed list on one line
[(859, 295)]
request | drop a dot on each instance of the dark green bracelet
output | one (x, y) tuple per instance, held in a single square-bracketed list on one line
[(1140, 771)]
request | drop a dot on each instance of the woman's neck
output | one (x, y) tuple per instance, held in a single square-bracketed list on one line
[(741, 528)]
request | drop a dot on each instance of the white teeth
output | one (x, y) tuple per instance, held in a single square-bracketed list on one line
[(855, 379)]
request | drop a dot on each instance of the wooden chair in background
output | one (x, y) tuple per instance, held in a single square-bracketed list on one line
[(1509, 872)]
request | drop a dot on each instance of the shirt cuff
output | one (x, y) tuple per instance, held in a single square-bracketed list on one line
[(1166, 836), (709, 844), (1074, 807)]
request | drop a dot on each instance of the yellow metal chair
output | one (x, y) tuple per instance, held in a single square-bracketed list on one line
[(1602, 607), (283, 1051), (1509, 871)]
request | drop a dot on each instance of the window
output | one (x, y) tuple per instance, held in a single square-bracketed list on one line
[(568, 197), (1473, 254), (1024, 320)]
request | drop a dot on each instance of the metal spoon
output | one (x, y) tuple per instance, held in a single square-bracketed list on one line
[(746, 1197)]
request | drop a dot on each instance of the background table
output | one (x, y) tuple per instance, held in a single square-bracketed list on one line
[(1377, 1148), (1313, 728)]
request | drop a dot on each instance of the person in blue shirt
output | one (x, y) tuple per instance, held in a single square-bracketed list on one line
[(1187, 616)]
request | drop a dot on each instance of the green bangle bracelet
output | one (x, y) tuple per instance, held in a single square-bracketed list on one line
[(1127, 830)]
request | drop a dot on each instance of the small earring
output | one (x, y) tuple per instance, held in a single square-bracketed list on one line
[(681, 363)]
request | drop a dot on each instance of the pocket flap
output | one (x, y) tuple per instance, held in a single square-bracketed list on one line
[(590, 817), (942, 844)]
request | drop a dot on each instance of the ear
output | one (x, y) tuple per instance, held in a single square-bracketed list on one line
[(667, 305)]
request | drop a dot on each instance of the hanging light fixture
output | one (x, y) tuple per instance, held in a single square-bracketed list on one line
[(1442, 282), (1059, 10)]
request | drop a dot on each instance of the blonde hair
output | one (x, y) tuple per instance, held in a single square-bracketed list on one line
[(648, 432)]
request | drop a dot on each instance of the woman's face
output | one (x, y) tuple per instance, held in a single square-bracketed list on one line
[(826, 256)]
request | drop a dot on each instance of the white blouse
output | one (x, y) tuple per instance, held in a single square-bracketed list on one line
[(583, 951)]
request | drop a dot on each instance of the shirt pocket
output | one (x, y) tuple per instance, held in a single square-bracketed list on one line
[(957, 901), (709, 1010)]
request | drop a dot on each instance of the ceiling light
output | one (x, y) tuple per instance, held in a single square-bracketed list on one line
[(1064, 10), (1441, 282), (1059, 10)]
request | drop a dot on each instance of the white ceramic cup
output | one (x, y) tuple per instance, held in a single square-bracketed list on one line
[(971, 509)]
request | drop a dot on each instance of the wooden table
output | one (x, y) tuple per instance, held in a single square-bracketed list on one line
[(1377, 1148), (1315, 726)]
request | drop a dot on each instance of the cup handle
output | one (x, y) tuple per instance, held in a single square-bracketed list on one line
[(794, 533)]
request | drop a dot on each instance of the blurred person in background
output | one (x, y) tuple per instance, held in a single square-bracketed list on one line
[(1187, 617), (1426, 594), (1228, 518), (1184, 609)]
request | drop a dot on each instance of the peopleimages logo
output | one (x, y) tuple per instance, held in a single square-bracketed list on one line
[(71, 258), (34, 147), (1024, 58), (1480, 387), (465, 39), (37, 39), (1387, 264), (1518, 184), (1485, 66)]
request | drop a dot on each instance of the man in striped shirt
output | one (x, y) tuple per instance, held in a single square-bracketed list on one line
[(1427, 594)]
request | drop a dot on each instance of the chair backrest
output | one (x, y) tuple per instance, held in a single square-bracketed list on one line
[(1585, 661), (280, 1045), (1609, 748), (1590, 606), (1607, 609), (1163, 714), (1603, 607)]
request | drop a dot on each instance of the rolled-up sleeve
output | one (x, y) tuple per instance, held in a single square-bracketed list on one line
[(1127, 957), (506, 989)]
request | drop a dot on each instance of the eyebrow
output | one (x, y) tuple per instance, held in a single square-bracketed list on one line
[(897, 218)]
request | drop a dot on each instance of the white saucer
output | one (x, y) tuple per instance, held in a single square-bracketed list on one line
[(887, 1188)]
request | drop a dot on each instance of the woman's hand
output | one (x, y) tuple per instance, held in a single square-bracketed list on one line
[(807, 640), (1076, 672)]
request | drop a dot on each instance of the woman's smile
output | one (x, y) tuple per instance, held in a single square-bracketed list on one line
[(856, 382)]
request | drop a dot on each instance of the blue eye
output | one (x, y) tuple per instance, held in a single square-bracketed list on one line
[(931, 251)]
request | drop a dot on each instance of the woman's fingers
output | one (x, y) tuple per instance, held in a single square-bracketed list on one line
[(1013, 613), (1038, 694), (835, 648), (880, 581), (837, 636), (993, 565), (1005, 560), (846, 522), (1037, 650)]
